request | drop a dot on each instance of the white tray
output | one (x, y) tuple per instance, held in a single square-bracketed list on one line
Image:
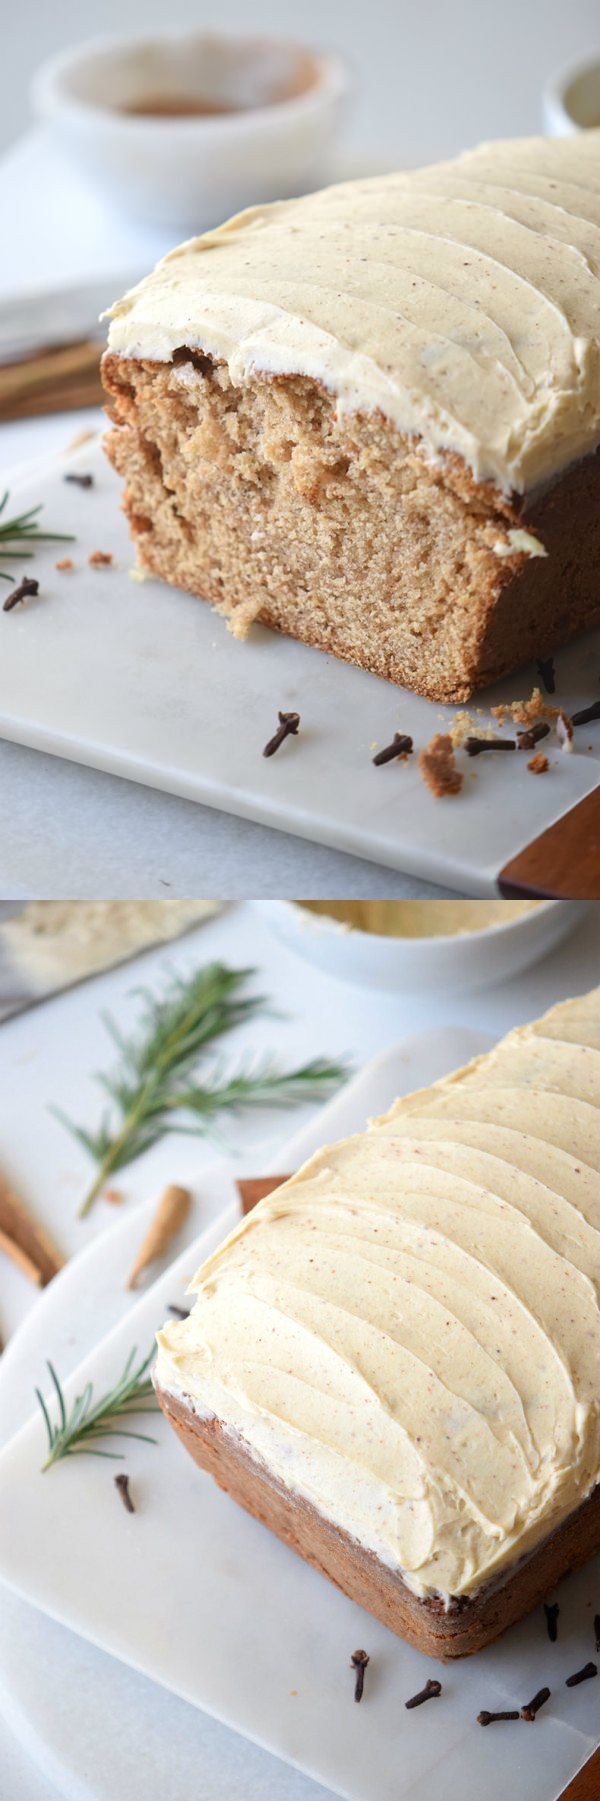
[(194, 1593), (147, 683)]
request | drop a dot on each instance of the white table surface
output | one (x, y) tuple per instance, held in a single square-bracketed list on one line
[(362, 1022), (431, 79)]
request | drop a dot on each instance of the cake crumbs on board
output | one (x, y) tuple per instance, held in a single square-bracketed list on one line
[(524, 712), (81, 437), (438, 767), (240, 619), (464, 725), (538, 764)]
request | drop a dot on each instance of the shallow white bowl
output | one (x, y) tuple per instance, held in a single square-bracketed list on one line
[(571, 100), (187, 173), (468, 960)]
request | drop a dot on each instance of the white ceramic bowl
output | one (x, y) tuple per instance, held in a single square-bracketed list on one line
[(571, 101), (188, 173), (445, 964)]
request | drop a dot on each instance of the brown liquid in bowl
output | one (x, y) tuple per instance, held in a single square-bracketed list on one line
[(176, 106), (198, 106)]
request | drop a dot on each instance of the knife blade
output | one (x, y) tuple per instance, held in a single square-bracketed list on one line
[(39, 318)]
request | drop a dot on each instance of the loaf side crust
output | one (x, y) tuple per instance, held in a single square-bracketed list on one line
[(464, 1628)]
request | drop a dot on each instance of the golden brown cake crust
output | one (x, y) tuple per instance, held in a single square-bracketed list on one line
[(464, 1628), (339, 531)]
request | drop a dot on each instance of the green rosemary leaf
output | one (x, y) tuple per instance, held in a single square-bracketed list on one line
[(265, 1087), (90, 1451), (130, 1395), (49, 1427), (24, 528), (61, 1404), (95, 1143), (153, 1086), (117, 1432)]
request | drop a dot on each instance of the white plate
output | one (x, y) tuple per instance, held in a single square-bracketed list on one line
[(196, 1594), (146, 682)]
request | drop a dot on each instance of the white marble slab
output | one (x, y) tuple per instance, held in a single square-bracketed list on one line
[(145, 682)]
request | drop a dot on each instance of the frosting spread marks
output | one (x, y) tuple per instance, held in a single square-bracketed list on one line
[(408, 1332), (462, 300)]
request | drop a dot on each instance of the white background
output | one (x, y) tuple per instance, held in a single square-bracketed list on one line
[(432, 77)]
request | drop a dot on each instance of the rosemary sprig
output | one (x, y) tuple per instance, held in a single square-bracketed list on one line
[(24, 529), (150, 1090), (73, 1435)]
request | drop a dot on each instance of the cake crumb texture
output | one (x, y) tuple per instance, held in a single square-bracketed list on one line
[(338, 530)]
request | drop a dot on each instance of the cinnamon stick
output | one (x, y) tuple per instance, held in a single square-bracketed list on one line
[(173, 1208), (253, 1189), (26, 1242)]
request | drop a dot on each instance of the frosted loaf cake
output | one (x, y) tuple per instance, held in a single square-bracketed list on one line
[(394, 1362), (369, 418)]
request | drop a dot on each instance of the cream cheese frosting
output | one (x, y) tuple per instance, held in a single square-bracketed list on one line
[(407, 1333), (461, 300)]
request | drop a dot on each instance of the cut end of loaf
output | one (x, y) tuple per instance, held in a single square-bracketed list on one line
[(338, 529)]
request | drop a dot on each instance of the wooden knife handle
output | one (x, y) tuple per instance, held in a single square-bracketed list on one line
[(564, 862), (586, 1785)]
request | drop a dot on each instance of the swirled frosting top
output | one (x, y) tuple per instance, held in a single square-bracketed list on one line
[(462, 300), (408, 1332)]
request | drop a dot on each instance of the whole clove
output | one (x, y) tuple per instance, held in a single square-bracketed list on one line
[(533, 1707), (27, 586), (584, 1675), (427, 1693), (474, 746), (288, 727), (586, 713), (359, 1661), (528, 739), (552, 1610), (79, 481), (401, 746), (122, 1486), (488, 1719), (546, 672)]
